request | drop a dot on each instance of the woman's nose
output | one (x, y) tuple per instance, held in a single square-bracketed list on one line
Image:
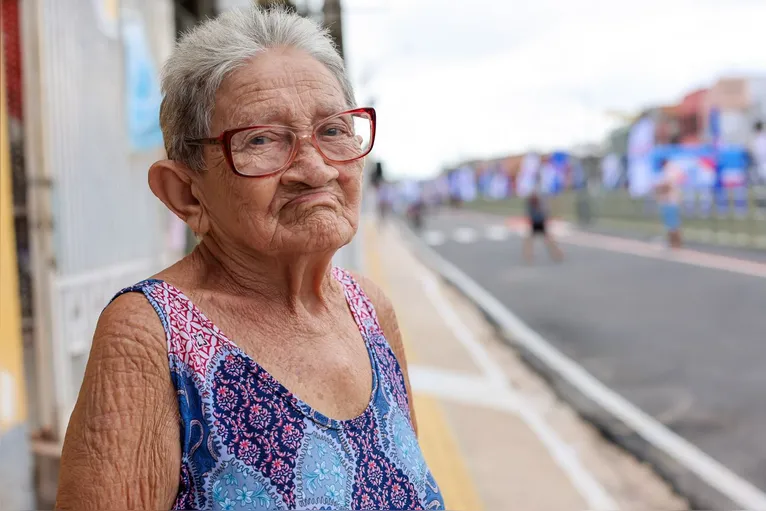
[(309, 166)]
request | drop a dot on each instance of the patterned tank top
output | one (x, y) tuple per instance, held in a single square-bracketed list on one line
[(249, 443)]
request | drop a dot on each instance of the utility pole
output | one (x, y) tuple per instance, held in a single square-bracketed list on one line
[(190, 12), (331, 13), (272, 3)]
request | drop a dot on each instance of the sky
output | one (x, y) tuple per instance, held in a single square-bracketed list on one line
[(502, 76)]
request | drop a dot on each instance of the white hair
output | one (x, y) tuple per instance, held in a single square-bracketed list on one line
[(209, 52)]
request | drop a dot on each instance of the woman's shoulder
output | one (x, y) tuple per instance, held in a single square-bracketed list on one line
[(384, 309), (374, 293), (130, 323)]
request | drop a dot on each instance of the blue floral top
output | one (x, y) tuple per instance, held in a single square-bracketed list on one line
[(249, 443)]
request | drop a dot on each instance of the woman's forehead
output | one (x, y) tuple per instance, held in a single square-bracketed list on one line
[(277, 88), (281, 112)]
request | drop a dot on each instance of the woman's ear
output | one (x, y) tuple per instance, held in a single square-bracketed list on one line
[(172, 182)]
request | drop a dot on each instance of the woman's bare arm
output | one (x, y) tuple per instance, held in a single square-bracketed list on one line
[(122, 447)]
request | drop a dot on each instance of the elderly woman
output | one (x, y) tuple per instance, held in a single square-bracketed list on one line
[(252, 374)]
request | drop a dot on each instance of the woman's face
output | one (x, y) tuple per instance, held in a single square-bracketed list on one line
[(312, 206)]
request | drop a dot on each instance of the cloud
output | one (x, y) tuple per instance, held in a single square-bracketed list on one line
[(500, 76)]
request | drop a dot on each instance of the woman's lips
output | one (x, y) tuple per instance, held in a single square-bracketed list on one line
[(314, 198)]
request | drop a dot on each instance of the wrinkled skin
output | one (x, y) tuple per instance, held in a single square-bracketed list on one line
[(261, 273), (289, 90)]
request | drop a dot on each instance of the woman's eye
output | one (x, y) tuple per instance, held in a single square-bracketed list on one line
[(260, 140), (334, 131)]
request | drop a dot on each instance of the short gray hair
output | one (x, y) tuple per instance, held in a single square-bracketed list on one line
[(209, 52)]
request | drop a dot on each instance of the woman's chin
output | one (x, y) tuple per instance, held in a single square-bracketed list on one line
[(318, 235)]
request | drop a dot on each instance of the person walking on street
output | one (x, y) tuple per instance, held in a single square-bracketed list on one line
[(758, 152), (668, 192), (385, 201), (538, 220)]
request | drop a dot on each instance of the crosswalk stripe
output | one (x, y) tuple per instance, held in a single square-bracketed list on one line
[(561, 229), (434, 238), (496, 232), (464, 235)]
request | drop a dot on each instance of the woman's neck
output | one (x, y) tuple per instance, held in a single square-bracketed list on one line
[(297, 281)]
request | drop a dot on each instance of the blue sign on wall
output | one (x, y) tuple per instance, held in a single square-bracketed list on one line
[(142, 87)]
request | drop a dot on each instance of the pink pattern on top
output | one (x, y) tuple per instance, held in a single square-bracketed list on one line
[(192, 337)]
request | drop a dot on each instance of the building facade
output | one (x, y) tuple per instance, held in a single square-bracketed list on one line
[(16, 491), (80, 131)]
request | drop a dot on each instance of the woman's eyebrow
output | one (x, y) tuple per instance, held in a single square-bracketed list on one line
[(324, 111), (280, 116), (273, 115)]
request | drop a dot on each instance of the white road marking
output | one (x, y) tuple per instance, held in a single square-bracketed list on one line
[(464, 235), (466, 389), (496, 232), (467, 235), (519, 229), (561, 228), (497, 386), (434, 238), (742, 492), (463, 334)]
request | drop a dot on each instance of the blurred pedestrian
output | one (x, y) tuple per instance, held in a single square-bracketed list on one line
[(455, 181), (668, 192), (385, 200), (412, 190), (538, 222), (266, 154), (758, 151)]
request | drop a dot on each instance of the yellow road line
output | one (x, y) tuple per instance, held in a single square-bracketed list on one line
[(437, 440)]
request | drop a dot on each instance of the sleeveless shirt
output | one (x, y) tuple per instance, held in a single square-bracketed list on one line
[(247, 442)]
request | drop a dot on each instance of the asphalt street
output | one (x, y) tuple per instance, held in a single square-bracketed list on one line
[(685, 343)]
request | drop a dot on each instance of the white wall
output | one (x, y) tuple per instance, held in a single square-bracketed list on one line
[(107, 228)]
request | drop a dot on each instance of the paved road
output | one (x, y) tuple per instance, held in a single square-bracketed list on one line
[(685, 343)]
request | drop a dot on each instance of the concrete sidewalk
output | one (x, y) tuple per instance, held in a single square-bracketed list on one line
[(494, 434)]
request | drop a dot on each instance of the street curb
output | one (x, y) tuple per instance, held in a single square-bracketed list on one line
[(704, 482)]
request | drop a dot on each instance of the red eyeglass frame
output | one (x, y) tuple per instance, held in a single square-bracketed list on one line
[(224, 140)]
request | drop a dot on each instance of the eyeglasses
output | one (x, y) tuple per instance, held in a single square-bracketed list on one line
[(257, 151)]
